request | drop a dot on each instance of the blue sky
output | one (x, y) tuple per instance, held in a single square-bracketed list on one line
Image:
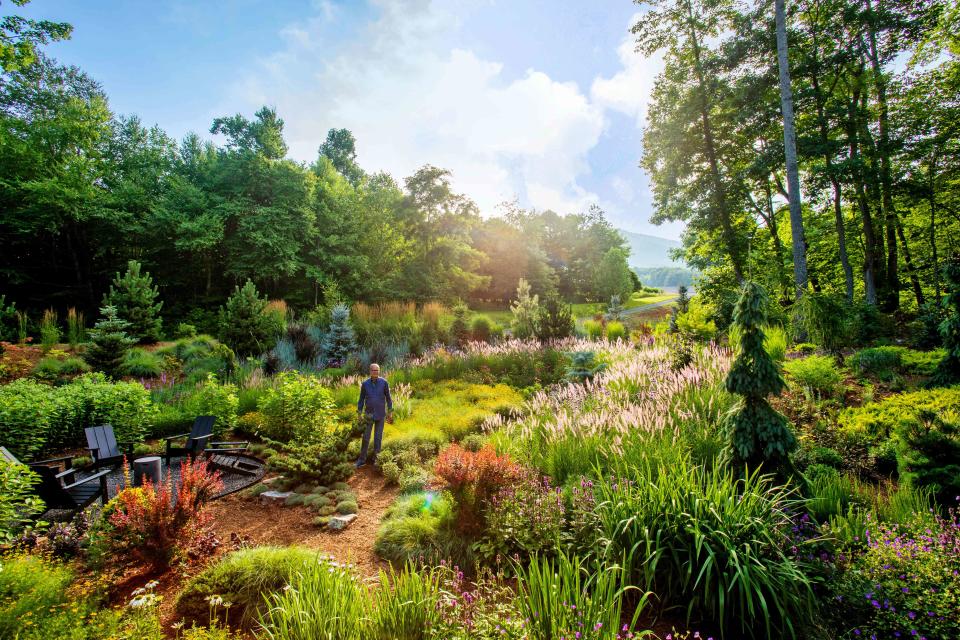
[(534, 99)]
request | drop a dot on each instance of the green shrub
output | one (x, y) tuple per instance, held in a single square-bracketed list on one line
[(616, 331), (244, 324), (73, 366), (413, 479), (554, 319), (473, 442), (347, 507), (135, 299), (480, 328), (244, 578), (49, 330), (391, 472), (697, 323), (140, 363), (929, 455), (295, 407), (214, 399), (593, 328), (417, 525), (18, 503), (37, 603), (170, 420), (185, 330), (818, 376), (878, 421), (881, 362)]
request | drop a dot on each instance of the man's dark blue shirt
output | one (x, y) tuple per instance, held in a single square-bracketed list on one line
[(375, 394)]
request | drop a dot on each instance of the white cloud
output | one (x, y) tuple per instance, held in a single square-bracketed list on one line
[(629, 90), (411, 98)]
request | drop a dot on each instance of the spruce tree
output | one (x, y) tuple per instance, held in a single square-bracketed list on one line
[(244, 327), (109, 342), (135, 299), (525, 310), (460, 330), (757, 432), (340, 341), (683, 304), (554, 319), (948, 371)]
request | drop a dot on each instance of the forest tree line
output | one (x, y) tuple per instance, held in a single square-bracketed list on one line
[(84, 190), (875, 90)]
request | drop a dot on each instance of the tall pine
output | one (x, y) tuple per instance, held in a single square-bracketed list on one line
[(135, 299), (757, 433), (244, 325)]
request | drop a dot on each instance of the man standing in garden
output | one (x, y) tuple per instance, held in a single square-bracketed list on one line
[(375, 403)]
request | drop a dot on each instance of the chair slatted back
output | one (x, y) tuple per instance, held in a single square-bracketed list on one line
[(51, 489), (9, 456), (202, 426), (102, 442)]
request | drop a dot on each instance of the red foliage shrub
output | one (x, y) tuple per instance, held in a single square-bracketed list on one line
[(474, 477), (16, 360), (154, 522)]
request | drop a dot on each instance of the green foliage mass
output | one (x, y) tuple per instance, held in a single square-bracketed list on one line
[(36, 417), (135, 299), (818, 376), (554, 319), (757, 432), (929, 455), (17, 501), (244, 325), (213, 398), (948, 371)]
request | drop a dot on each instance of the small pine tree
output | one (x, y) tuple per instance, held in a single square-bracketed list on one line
[(682, 306), (525, 310), (135, 299), (109, 342), (615, 309), (460, 329), (948, 371), (584, 366), (340, 341), (244, 326), (929, 455), (757, 432), (554, 319)]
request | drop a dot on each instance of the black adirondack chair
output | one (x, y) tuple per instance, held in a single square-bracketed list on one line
[(61, 489), (103, 447), (198, 441)]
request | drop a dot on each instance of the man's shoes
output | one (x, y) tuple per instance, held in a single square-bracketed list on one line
[(359, 464)]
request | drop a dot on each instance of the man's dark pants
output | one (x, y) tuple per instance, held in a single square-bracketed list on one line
[(377, 427)]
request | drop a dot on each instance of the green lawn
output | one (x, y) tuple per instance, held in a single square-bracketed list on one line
[(638, 299)]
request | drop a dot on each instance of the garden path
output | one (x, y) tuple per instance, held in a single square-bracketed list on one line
[(268, 524)]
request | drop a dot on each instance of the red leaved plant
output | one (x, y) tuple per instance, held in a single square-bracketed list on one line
[(473, 478), (153, 522)]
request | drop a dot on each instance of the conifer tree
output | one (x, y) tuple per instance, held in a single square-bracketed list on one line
[(460, 330), (135, 299), (948, 371), (109, 342), (554, 319), (244, 326), (683, 304), (757, 432), (340, 341), (525, 310)]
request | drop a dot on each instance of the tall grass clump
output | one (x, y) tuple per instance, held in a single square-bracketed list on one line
[(567, 597), (709, 543), (405, 604), (817, 376), (49, 330), (76, 327), (325, 600)]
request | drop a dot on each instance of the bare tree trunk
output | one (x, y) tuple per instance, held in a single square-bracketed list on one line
[(790, 150), (933, 226), (869, 236)]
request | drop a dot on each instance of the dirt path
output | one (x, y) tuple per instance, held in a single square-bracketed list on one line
[(280, 525)]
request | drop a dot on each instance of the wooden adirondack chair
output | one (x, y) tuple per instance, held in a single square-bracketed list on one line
[(103, 447), (61, 489), (198, 439)]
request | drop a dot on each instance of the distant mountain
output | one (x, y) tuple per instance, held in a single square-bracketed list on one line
[(650, 251)]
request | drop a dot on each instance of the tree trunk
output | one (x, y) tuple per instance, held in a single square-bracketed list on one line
[(914, 278), (886, 183), (869, 237), (719, 191), (933, 227), (790, 150), (831, 171)]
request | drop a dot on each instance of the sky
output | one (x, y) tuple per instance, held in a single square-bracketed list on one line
[(542, 101)]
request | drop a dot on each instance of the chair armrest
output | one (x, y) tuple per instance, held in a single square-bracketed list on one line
[(95, 476), (230, 444), (64, 473), (179, 435), (46, 462), (209, 435)]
